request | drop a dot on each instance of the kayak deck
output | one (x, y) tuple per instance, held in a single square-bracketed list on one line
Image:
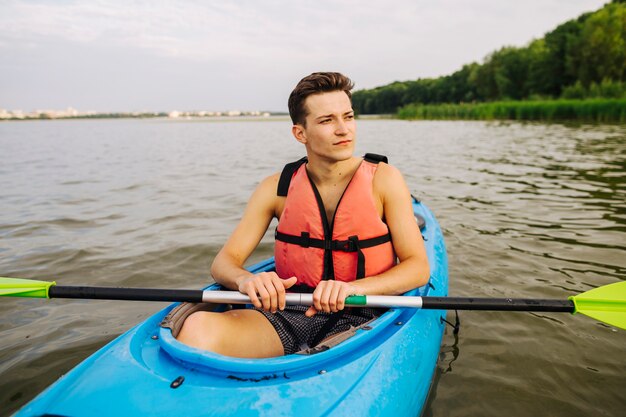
[(385, 368)]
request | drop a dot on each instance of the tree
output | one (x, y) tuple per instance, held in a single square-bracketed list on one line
[(583, 57), (601, 48)]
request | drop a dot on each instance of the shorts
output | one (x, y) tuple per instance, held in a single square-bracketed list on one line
[(298, 332)]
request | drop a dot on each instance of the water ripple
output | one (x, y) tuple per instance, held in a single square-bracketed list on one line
[(528, 210)]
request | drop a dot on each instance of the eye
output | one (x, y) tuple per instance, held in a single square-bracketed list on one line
[(350, 117), (324, 121)]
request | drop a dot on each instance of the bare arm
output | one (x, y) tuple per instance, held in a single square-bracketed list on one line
[(412, 271), (266, 289)]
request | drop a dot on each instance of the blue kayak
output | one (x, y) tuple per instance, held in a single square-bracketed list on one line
[(384, 368)]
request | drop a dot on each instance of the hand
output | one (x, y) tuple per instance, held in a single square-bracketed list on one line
[(330, 297), (266, 290)]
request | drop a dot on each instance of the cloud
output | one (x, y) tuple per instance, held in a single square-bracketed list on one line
[(273, 42)]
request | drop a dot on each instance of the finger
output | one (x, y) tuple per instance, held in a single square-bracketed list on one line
[(341, 298), (325, 297), (264, 296), (317, 296), (285, 284), (282, 299), (271, 289), (280, 292), (310, 312), (251, 292), (333, 301), (290, 282)]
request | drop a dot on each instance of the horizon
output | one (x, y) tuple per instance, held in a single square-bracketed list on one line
[(108, 57)]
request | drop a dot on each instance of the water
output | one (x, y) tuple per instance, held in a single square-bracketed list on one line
[(528, 210)]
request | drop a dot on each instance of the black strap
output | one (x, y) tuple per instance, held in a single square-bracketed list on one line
[(360, 260), (287, 174), (327, 327), (292, 167), (352, 244), (375, 158), (301, 288)]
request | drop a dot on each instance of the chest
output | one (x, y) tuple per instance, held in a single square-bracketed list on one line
[(330, 197), (327, 199)]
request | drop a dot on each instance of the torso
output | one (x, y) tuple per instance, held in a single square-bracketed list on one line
[(313, 248)]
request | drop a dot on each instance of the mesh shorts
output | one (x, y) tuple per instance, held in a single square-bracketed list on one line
[(298, 332)]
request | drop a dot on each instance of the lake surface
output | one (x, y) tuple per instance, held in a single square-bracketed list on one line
[(527, 210)]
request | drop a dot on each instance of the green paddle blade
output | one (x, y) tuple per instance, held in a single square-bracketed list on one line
[(606, 304), (16, 287)]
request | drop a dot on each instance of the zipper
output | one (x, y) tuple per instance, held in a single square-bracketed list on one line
[(328, 270)]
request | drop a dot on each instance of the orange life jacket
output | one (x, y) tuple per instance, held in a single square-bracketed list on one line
[(354, 245)]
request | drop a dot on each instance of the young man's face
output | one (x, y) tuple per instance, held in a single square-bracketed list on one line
[(330, 130)]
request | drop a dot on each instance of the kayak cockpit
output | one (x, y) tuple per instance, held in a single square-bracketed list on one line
[(338, 348), (176, 318)]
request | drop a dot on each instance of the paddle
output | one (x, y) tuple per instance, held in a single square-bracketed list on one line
[(606, 304)]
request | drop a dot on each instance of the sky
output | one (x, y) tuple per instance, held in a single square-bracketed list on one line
[(109, 55)]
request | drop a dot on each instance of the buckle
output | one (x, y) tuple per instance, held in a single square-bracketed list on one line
[(306, 239), (349, 245)]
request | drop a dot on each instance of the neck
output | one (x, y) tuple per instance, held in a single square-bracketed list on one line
[(323, 171)]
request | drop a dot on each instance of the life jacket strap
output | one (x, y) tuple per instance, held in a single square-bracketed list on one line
[(292, 167), (375, 158), (352, 244), (301, 288), (287, 174), (327, 327), (360, 264)]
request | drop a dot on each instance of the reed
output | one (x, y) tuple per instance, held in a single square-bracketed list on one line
[(593, 110)]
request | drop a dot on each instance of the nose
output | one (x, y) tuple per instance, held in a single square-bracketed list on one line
[(342, 128)]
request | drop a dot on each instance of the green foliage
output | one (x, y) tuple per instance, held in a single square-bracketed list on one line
[(601, 48), (606, 89), (593, 110), (580, 59)]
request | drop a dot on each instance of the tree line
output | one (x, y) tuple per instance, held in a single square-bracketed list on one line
[(582, 58)]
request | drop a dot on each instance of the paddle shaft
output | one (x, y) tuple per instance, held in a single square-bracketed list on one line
[(129, 294), (233, 297)]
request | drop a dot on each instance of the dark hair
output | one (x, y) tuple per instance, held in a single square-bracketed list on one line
[(318, 82)]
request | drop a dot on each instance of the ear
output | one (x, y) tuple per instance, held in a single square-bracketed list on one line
[(298, 132)]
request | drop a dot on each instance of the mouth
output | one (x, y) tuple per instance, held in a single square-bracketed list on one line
[(343, 142)]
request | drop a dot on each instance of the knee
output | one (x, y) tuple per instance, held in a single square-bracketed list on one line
[(200, 330), (194, 323)]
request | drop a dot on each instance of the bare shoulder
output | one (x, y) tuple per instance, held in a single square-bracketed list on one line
[(386, 172), (269, 184), (265, 197), (389, 183)]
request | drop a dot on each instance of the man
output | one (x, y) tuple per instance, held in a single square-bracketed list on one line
[(346, 226)]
